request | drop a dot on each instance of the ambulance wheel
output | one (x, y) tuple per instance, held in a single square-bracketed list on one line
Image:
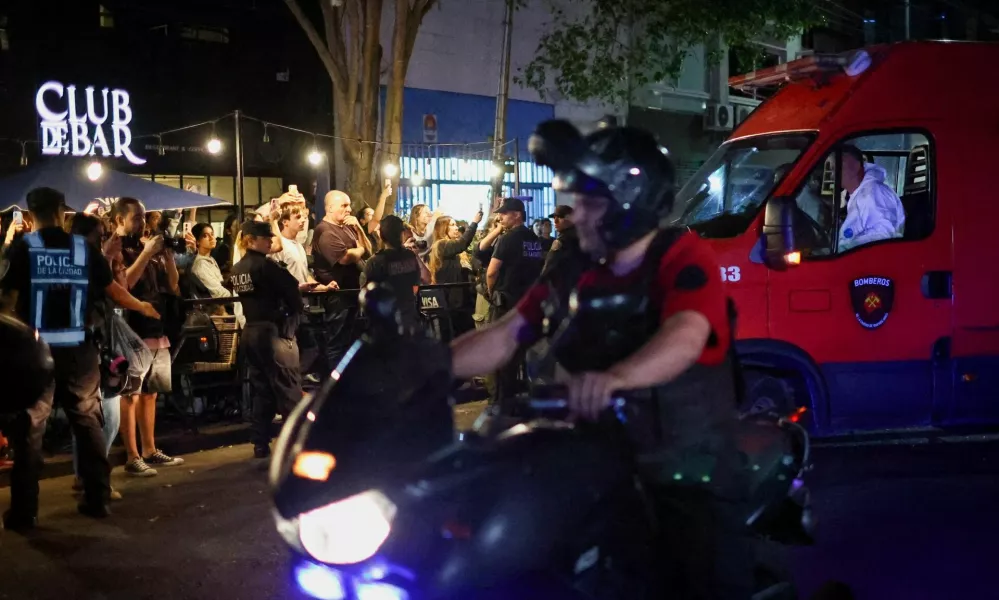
[(772, 392)]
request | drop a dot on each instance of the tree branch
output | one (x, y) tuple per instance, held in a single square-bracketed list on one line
[(332, 18), (317, 42), (352, 14)]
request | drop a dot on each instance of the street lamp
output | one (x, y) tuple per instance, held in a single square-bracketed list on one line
[(94, 171), (315, 158), (416, 179)]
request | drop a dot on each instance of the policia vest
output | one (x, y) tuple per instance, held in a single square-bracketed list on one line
[(684, 432), (59, 278)]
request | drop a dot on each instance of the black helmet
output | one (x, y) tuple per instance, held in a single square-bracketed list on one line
[(27, 368), (623, 164)]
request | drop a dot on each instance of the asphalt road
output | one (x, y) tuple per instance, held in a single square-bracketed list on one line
[(897, 522)]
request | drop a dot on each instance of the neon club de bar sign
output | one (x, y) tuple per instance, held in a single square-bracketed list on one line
[(70, 130)]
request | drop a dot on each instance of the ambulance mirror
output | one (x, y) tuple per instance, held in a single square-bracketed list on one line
[(779, 248)]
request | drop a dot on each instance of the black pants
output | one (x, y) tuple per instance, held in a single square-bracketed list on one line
[(274, 377), (77, 391), (308, 348), (506, 382), (338, 330), (707, 549)]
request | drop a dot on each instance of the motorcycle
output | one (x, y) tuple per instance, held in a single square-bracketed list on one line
[(376, 500)]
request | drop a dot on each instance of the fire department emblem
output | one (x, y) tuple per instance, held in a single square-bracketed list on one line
[(872, 299)]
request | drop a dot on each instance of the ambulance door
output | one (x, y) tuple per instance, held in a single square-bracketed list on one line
[(861, 312)]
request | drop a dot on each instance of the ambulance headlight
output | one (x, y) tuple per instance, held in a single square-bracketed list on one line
[(348, 531)]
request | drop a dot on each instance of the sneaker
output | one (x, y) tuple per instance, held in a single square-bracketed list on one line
[(138, 468), (310, 378), (158, 459)]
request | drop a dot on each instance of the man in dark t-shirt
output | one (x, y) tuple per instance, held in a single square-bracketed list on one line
[(517, 260), (515, 265), (339, 256)]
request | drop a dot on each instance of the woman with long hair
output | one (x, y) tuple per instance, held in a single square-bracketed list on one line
[(423, 223), (451, 263)]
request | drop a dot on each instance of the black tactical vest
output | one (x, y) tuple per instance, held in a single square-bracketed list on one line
[(684, 430)]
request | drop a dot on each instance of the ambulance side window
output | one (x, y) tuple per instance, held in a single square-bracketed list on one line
[(885, 197)]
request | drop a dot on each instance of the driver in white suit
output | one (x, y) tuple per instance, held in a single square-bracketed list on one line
[(873, 211)]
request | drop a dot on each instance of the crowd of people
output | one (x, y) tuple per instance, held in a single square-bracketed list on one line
[(141, 266)]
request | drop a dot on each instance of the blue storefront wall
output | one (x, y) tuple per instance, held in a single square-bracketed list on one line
[(455, 172)]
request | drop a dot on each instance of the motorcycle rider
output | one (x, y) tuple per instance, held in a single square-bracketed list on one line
[(665, 338)]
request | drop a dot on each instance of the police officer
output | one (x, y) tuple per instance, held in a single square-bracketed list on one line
[(51, 281), (273, 307), (652, 320)]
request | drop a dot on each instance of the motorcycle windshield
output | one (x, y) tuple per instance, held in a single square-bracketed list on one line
[(388, 409)]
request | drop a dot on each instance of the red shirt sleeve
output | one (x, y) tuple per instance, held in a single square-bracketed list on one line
[(690, 280), (531, 306)]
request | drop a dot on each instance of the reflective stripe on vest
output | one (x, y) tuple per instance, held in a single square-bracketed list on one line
[(62, 269)]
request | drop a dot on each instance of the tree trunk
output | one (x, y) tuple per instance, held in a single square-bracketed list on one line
[(351, 54)]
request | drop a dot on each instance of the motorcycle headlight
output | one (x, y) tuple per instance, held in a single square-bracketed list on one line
[(348, 531)]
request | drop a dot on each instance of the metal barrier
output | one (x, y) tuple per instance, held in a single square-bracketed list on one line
[(207, 363)]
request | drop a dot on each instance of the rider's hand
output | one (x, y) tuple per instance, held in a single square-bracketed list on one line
[(590, 393)]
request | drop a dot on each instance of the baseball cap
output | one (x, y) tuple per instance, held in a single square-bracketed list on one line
[(561, 211), (256, 228), (45, 198), (511, 205)]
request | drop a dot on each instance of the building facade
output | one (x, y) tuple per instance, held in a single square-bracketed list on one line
[(181, 63)]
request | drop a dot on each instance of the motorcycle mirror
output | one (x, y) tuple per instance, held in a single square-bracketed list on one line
[(382, 308), (556, 144)]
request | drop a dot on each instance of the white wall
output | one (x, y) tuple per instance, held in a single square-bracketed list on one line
[(459, 49)]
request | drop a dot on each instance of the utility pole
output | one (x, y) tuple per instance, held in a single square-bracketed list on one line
[(239, 167), (499, 135)]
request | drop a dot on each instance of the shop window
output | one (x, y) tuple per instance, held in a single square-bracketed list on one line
[(271, 187), (168, 180), (197, 184), (251, 191), (223, 188), (849, 203)]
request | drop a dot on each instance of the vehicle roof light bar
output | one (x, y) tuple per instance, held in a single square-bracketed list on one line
[(852, 63)]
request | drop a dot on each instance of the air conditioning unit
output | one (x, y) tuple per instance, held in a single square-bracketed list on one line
[(718, 117), (742, 113)]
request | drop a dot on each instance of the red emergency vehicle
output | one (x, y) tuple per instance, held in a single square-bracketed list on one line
[(897, 333)]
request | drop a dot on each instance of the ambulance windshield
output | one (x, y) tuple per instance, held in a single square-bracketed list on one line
[(724, 195)]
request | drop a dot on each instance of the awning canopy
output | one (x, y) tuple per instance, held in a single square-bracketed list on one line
[(69, 176)]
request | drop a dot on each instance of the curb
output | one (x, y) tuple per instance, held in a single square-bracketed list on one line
[(174, 443)]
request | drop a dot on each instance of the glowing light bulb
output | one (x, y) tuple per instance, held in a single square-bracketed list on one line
[(315, 158), (416, 178), (214, 145), (390, 170), (94, 171)]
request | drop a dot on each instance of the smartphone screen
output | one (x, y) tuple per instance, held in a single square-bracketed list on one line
[(188, 227), (18, 217)]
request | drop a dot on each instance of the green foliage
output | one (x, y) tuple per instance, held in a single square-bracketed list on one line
[(587, 53)]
